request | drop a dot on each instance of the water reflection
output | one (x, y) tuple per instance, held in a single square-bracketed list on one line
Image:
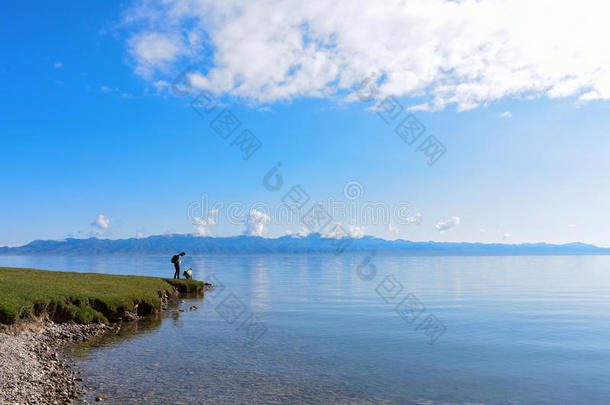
[(128, 331), (134, 329), (520, 330)]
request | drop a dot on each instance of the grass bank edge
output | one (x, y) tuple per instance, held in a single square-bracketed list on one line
[(84, 297)]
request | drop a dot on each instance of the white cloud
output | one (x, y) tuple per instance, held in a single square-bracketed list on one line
[(58, 65), (448, 224), (356, 231), (505, 114), (100, 224), (467, 53), (420, 107), (572, 226), (202, 225), (506, 236), (140, 235), (337, 232), (256, 222), (160, 85), (108, 89), (155, 51), (415, 219), (303, 232)]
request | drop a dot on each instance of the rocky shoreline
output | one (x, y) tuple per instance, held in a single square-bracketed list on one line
[(33, 368)]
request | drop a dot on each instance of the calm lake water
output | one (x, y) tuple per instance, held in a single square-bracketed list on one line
[(513, 330)]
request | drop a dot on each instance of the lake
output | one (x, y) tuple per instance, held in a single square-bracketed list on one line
[(336, 330)]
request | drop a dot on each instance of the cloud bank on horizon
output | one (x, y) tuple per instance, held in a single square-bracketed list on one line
[(464, 53)]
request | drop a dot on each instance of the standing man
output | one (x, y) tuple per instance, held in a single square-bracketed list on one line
[(176, 261)]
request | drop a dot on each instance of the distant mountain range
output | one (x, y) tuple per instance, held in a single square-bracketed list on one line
[(313, 243)]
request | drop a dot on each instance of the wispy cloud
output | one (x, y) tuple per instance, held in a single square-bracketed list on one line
[(303, 232), (160, 85), (57, 65), (415, 219), (115, 90), (154, 51), (505, 114), (356, 231), (448, 224), (336, 232), (202, 225)]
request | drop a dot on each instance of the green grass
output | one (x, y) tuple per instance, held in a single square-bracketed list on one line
[(82, 297)]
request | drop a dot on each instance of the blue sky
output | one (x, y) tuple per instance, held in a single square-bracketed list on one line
[(89, 127)]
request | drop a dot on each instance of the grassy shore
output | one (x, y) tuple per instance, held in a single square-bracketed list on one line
[(82, 297)]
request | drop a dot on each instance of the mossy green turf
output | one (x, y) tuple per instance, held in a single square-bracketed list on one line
[(74, 293)]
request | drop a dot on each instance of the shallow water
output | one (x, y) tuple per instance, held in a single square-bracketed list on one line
[(517, 330)]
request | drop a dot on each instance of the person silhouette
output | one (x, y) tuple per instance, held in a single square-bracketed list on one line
[(176, 261)]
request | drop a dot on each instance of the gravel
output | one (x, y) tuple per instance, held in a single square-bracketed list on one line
[(33, 369)]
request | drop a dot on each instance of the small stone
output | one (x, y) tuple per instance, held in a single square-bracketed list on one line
[(100, 398)]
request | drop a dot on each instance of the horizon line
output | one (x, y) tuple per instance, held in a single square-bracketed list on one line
[(297, 236)]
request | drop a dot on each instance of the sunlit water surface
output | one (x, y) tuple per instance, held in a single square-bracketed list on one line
[(517, 330)]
